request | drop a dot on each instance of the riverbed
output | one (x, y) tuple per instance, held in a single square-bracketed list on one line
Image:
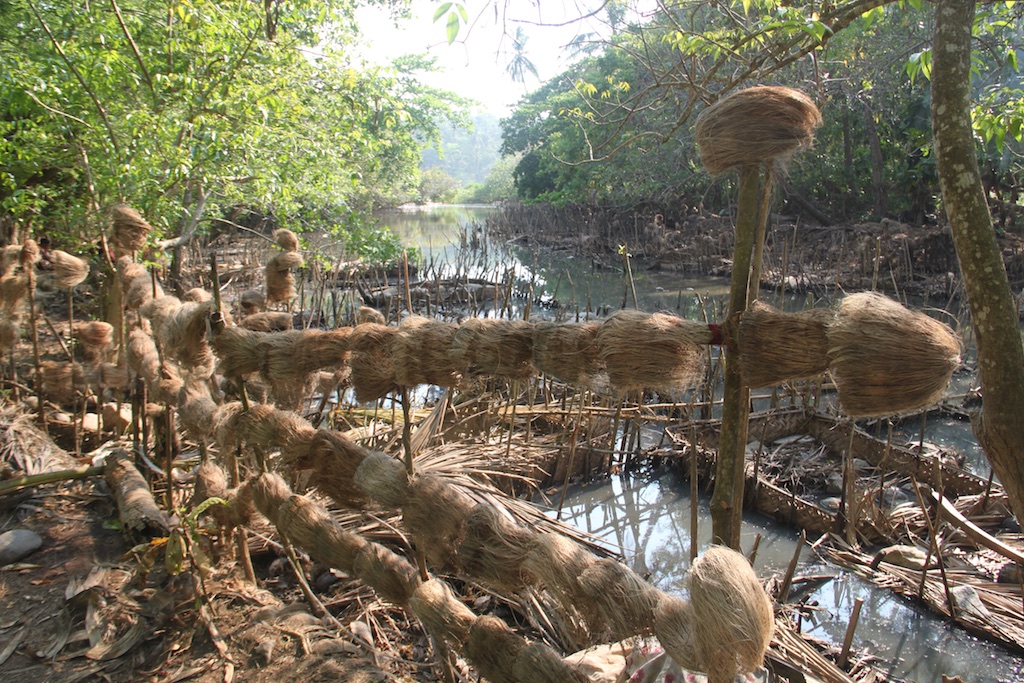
[(647, 519)]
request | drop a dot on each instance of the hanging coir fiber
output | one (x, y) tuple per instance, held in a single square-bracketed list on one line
[(253, 301), (94, 338), (279, 279), (493, 648), (421, 353), (212, 482), (674, 626), (272, 321), (435, 513), (136, 283), (389, 574), (286, 239), (626, 602), (493, 548), (130, 230), (10, 332), (538, 663), (269, 493), (557, 562), (373, 373), (183, 333), (570, 352), (443, 615), (333, 460), (652, 351), (271, 428), (365, 314), (732, 616), (198, 295), (9, 258), (158, 310), (239, 351), (494, 348), (68, 271), (777, 347), (311, 527), (196, 410), (887, 359), (384, 478), (114, 375), (62, 381), (29, 256), (755, 125)]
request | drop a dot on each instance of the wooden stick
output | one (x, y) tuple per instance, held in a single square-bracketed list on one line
[(850, 628)]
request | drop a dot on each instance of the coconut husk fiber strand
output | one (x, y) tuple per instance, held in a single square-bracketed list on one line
[(270, 321), (777, 347), (212, 482), (556, 562), (493, 648), (442, 614), (731, 615), (136, 284), (392, 576), (311, 527), (493, 347), (421, 353), (162, 380), (652, 351), (494, 547), (279, 279), (196, 411), (373, 372), (625, 601), (435, 514), (333, 460), (239, 351), (365, 314), (130, 230), (294, 354), (384, 478), (68, 271), (252, 301), (887, 359), (94, 338), (754, 126), (29, 256), (286, 239), (62, 381), (10, 332), (570, 352), (114, 375)]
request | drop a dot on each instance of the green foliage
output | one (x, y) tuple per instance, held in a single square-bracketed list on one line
[(436, 186), (204, 103), (466, 153)]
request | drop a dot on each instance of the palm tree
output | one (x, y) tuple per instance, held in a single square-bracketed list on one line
[(520, 64)]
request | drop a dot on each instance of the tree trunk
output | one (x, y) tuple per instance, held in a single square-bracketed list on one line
[(999, 426), (878, 189)]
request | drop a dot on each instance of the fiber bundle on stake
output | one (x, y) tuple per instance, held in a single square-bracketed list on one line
[(652, 351), (130, 230), (279, 279), (94, 338), (777, 347), (421, 353), (68, 271), (271, 321), (570, 352), (252, 301), (747, 130), (887, 359), (498, 348), (373, 371)]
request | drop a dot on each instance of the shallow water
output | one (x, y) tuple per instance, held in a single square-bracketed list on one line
[(649, 519)]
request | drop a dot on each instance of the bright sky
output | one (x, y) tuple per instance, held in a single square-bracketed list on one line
[(475, 65)]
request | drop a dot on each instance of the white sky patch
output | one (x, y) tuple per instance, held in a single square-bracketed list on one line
[(475, 66)]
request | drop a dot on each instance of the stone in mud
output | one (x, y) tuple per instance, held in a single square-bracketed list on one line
[(17, 544)]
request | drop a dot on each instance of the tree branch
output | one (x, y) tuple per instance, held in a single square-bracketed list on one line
[(135, 48)]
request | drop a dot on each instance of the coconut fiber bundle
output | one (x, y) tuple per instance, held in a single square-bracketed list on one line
[(286, 239), (625, 601), (68, 271), (777, 347), (253, 301), (273, 321), (557, 562), (137, 284), (365, 314), (333, 460), (280, 281), (162, 380), (652, 351), (731, 616), (94, 338), (435, 513), (498, 348), (887, 359), (570, 352), (755, 125), (29, 255), (421, 353), (373, 373), (240, 351), (114, 375), (62, 380), (10, 331), (130, 230), (196, 410), (494, 547)]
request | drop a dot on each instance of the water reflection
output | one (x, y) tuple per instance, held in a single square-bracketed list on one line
[(649, 520)]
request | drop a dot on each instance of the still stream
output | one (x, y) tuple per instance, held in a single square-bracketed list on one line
[(647, 519)]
